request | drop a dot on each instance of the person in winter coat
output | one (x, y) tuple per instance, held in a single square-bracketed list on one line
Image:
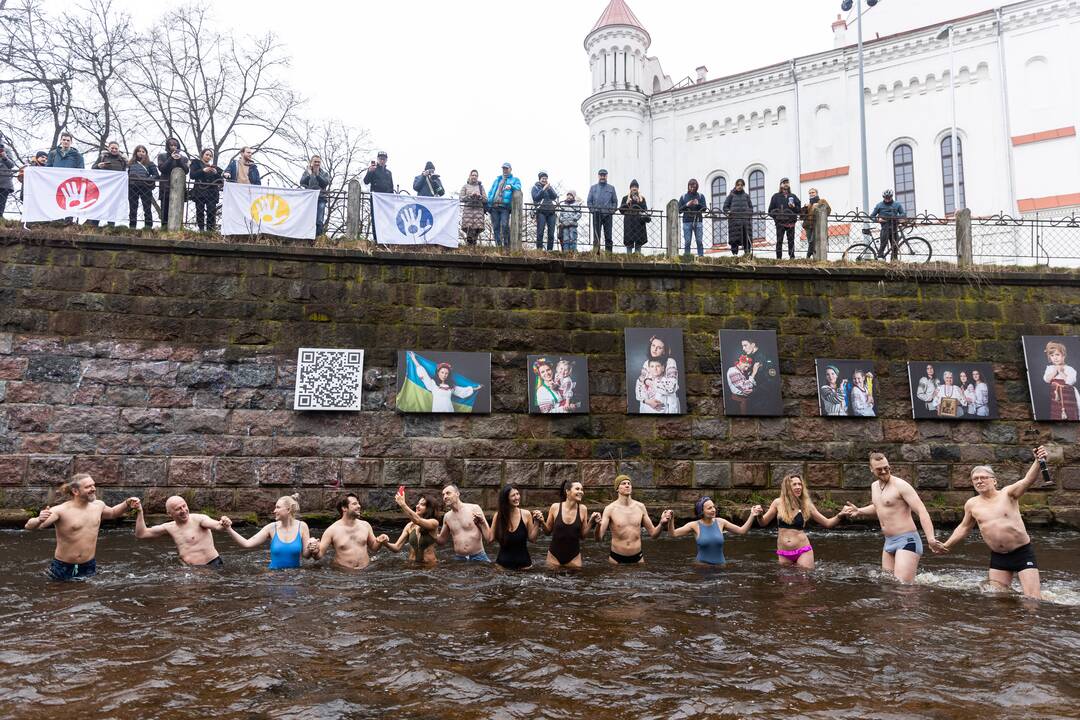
[(569, 217), (167, 161), (692, 205), (545, 199), (381, 180), (242, 168), (7, 178), (784, 210), (142, 176), (315, 178), (427, 183), (207, 180), (65, 156), (500, 196), (888, 212), (111, 159), (635, 217), (813, 202), (602, 202), (473, 207), (740, 210)]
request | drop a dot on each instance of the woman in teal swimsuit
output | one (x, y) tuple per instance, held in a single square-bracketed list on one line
[(422, 528), (289, 538), (709, 530)]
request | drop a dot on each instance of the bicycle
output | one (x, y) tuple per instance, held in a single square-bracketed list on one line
[(906, 249)]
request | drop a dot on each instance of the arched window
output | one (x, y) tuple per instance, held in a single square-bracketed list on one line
[(947, 172), (755, 185), (718, 193), (903, 160)]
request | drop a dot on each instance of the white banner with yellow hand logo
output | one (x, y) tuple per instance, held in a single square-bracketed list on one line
[(259, 210)]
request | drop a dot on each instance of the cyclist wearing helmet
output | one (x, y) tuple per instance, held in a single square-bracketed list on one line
[(888, 212)]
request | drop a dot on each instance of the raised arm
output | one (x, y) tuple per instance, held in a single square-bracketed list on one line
[(1021, 486), (44, 519), (653, 530), (687, 529), (144, 533), (962, 530), (374, 542), (745, 527), (210, 523), (255, 540), (118, 510), (430, 524)]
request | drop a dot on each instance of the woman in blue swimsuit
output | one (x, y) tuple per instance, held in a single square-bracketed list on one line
[(289, 538), (709, 530)]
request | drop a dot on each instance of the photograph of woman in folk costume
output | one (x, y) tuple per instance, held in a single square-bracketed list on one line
[(558, 386), (437, 382), (651, 388)]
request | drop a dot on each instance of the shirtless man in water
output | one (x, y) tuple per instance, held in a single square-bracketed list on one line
[(466, 525), (352, 538), (997, 513), (626, 517), (893, 500), (192, 533), (77, 522)]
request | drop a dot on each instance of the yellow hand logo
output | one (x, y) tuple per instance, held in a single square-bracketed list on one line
[(270, 210)]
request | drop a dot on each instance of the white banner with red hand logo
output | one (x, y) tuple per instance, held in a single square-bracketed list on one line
[(58, 193), (255, 210)]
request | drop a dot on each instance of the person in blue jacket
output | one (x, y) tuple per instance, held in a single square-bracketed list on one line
[(888, 213), (499, 199), (65, 156)]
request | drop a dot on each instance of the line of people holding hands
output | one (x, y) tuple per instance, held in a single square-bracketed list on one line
[(568, 522)]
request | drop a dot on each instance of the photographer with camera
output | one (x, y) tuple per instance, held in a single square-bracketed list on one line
[(315, 178), (427, 183), (545, 198), (381, 180)]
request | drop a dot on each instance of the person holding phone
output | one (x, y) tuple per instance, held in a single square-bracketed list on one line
[(422, 529)]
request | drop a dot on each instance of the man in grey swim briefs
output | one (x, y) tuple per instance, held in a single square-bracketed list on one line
[(892, 501)]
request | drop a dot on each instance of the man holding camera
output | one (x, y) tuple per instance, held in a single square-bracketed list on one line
[(381, 180), (544, 198), (427, 183), (315, 178)]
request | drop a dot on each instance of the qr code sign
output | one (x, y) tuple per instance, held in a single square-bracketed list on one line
[(328, 379)]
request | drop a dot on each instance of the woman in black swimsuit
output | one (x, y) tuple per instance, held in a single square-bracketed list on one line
[(567, 523), (514, 529), (422, 528)]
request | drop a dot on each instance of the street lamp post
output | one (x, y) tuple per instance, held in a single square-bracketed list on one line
[(846, 6), (948, 31)]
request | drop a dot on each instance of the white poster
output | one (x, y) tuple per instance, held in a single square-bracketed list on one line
[(58, 193), (260, 210), (407, 220)]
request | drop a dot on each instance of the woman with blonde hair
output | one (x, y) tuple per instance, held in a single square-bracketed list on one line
[(289, 538), (792, 510)]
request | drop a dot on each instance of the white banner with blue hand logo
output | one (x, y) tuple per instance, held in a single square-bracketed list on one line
[(260, 210), (407, 220)]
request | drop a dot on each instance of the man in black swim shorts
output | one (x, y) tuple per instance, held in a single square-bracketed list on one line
[(626, 517)]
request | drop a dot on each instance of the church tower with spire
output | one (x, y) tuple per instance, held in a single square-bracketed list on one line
[(617, 111)]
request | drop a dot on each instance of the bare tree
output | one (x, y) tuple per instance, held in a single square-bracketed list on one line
[(100, 44)]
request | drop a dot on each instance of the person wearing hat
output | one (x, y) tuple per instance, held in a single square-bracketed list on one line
[(381, 180), (603, 201), (692, 205), (784, 209), (635, 217), (569, 217), (709, 529), (544, 199), (888, 212), (39, 160), (500, 198), (626, 517), (427, 183)]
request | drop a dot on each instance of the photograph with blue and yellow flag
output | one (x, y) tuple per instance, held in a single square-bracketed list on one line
[(443, 382)]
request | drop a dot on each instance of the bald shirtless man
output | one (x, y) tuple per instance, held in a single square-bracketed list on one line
[(626, 517), (352, 538), (192, 532), (997, 513), (892, 501), (77, 522), (466, 525)]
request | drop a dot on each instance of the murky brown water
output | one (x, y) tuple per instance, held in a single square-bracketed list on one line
[(149, 639)]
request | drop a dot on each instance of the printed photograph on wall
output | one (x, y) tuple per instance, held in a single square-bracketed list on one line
[(952, 390), (751, 365), (558, 384), (1051, 370), (328, 379), (846, 388), (655, 369), (443, 382)]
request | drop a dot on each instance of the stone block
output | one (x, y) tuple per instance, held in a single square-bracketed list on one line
[(84, 420), (160, 373), (49, 470), (522, 473), (554, 474), (53, 369), (673, 474), (39, 443), (857, 476), (29, 418), (235, 472), (483, 473), (13, 470), (360, 472), (1068, 477), (749, 475), (641, 473), (13, 368), (439, 473), (932, 477), (823, 475), (712, 475), (106, 371), (143, 471), (105, 470), (190, 471), (598, 474), (402, 472), (777, 471)]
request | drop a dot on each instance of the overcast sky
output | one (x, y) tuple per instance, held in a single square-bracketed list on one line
[(473, 84)]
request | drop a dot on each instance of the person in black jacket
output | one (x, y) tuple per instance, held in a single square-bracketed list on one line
[(111, 159), (739, 208), (207, 179), (428, 183), (692, 205), (784, 209), (166, 162), (381, 180), (315, 178), (142, 175), (635, 218), (544, 198), (7, 178)]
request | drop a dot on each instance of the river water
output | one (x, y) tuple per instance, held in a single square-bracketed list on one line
[(148, 639)]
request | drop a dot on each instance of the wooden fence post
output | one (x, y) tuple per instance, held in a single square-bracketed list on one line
[(964, 256), (177, 187), (671, 216)]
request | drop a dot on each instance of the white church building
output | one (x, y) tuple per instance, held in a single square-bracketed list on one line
[(1017, 111)]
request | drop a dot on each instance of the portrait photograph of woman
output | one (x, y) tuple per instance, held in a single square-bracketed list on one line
[(443, 382), (558, 384), (655, 368), (846, 388)]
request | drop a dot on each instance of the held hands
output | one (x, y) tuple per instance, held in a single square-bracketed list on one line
[(594, 518), (665, 517), (226, 522), (45, 514), (537, 516), (383, 539), (849, 511), (478, 519), (936, 545), (134, 503), (756, 511), (313, 547)]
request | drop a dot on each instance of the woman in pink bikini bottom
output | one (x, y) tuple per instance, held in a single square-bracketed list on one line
[(791, 511)]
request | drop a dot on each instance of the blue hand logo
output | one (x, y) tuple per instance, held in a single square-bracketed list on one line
[(415, 221)]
